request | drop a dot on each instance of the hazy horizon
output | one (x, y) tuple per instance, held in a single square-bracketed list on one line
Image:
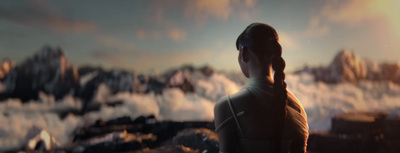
[(159, 35)]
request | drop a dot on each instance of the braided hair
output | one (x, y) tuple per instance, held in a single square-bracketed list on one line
[(264, 41)]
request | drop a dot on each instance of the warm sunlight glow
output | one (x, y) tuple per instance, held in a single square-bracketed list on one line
[(390, 11)]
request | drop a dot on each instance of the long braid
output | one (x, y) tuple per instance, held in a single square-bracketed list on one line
[(280, 97), (279, 87)]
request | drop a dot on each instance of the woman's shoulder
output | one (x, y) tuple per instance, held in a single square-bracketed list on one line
[(236, 97), (294, 102), (240, 96)]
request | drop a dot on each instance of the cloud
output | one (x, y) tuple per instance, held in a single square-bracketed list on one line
[(250, 3), (355, 13), (350, 13), (141, 34), (215, 87), (111, 41), (164, 60), (201, 10), (315, 28), (116, 51), (322, 101), (42, 15), (109, 56), (20, 117), (287, 41), (177, 34)]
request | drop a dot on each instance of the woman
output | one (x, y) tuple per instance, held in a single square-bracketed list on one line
[(268, 118)]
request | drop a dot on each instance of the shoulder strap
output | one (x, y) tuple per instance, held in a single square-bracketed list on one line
[(234, 116)]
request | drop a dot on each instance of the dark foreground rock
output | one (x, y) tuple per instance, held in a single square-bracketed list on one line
[(123, 134), (172, 149), (358, 132), (376, 133), (359, 123), (202, 139), (115, 142)]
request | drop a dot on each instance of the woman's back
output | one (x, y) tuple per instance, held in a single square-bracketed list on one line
[(264, 112), (257, 119)]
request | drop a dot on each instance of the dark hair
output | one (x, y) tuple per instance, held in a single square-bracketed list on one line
[(264, 41)]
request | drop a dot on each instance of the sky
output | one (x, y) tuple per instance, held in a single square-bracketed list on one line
[(150, 35)]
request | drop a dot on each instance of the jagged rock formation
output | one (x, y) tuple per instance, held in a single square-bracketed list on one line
[(186, 77), (207, 70), (47, 71), (151, 84), (181, 79), (40, 140), (348, 67), (115, 80), (50, 72)]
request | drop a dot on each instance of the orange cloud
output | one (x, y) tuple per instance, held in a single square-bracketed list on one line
[(177, 35), (201, 10), (119, 44), (165, 60), (287, 42), (250, 3), (352, 12), (63, 25), (316, 29), (357, 12), (145, 34), (141, 33), (113, 57), (39, 14)]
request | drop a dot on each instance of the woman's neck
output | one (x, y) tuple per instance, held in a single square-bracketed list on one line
[(267, 78), (261, 75), (261, 72)]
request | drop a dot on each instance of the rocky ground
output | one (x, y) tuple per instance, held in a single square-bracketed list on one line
[(144, 134), (356, 132)]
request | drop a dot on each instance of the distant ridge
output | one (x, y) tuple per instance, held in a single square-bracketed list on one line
[(349, 67), (49, 71)]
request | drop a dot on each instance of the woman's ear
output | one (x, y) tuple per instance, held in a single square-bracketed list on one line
[(244, 54)]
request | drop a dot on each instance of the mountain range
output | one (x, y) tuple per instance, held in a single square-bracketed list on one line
[(49, 71), (349, 67)]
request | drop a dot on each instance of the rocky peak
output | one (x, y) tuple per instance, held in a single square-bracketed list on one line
[(48, 70), (348, 67)]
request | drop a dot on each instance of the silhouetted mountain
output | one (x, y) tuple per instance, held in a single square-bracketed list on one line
[(186, 76), (348, 67), (48, 71), (115, 80)]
